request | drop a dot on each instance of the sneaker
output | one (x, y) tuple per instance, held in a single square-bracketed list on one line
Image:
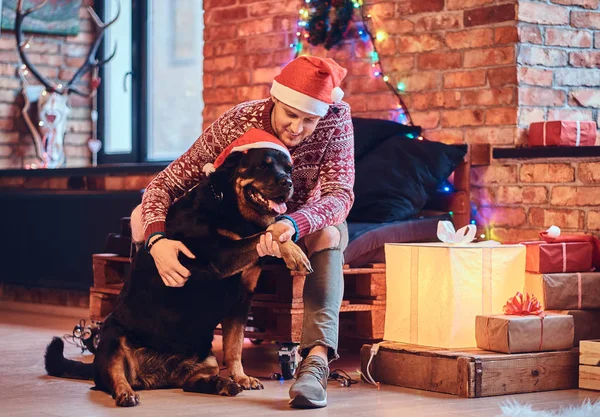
[(310, 388)]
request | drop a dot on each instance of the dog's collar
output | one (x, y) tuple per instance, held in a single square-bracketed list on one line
[(217, 195)]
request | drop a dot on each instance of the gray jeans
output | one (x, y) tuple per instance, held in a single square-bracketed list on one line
[(323, 293)]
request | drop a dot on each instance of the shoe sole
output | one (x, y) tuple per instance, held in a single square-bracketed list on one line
[(300, 401)]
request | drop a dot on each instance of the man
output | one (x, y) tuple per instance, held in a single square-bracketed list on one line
[(306, 113)]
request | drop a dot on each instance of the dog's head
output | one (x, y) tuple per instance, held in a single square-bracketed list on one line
[(261, 180)]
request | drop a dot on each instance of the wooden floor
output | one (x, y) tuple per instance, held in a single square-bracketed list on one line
[(25, 390)]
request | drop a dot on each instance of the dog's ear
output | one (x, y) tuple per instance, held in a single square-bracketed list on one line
[(226, 171)]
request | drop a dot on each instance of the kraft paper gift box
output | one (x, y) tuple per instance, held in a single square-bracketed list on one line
[(562, 133), (587, 324), (523, 334), (576, 290), (435, 290), (548, 258)]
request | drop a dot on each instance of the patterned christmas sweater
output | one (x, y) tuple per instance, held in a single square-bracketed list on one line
[(323, 175)]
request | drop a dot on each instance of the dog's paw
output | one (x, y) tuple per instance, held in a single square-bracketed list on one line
[(127, 399), (229, 388), (295, 258), (248, 382)]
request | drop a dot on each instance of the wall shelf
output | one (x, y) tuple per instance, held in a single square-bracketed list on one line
[(547, 152)]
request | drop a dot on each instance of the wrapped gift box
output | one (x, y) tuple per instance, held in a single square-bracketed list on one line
[(587, 324), (576, 290), (562, 133), (548, 258), (523, 334), (435, 290)]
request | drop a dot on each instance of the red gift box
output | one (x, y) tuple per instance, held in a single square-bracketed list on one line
[(549, 258), (562, 133)]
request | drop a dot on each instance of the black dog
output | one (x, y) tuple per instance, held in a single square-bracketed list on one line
[(159, 336)]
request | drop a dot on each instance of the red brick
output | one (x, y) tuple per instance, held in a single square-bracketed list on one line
[(364, 85), (535, 76), (587, 4), (487, 15), (272, 7), (575, 196), (405, 7), (382, 101), (219, 64), (442, 21), (524, 195), (421, 81), (551, 173), (483, 196), (386, 47), (489, 97), (586, 97), (474, 38), (439, 60), (358, 103), (530, 34), (577, 77), (593, 220), (499, 77), (589, 172), (570, 114), (8, 110), (427, 119), (533, 96), (571, 38), (10, 83), (589, 59), (501, 216), (464, 79), (401, 63), (587, 20), (226, 16), (506, 35), (419, 43), (232, 47), (7, 125), (398, 26), (267, 42), (254, 61), (9, 138), (448, 136), (543, 14), (213, 4), (497, 135), (565, 219), (255, 27), (597, 40), (512, 235), (285, 23), (458, 118), (424, 101), (490, 57), (466, 4), (549, 57), (265, 75), (501, 116), (220, 95), (231, 79), (528, 115), (382, 10)]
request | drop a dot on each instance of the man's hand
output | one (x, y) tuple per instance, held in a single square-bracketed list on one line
[(267, 246), (165, 254)]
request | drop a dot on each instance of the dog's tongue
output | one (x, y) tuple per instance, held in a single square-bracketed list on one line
[(279, 208)]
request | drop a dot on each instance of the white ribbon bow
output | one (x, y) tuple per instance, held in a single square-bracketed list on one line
[(447, 234)]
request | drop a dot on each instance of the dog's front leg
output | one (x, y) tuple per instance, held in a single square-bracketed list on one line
[(233, 340)]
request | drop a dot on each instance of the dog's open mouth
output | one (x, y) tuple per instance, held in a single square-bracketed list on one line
[(264, 204)]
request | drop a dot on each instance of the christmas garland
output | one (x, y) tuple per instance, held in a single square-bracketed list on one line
[(320, 31)]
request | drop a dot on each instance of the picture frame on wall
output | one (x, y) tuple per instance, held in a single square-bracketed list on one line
[(57, 17)]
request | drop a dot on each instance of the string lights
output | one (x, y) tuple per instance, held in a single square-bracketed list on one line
[(305, 25)]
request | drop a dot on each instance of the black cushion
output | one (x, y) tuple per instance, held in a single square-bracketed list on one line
[(396, 175), (369, 133)]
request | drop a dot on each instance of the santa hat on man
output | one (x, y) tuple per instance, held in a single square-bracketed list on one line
[(252, 139), (310, 84)]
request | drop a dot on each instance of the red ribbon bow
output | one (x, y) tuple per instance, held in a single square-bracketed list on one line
[(524, 305)]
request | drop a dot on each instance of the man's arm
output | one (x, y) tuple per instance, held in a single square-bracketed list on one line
[(336, 176)]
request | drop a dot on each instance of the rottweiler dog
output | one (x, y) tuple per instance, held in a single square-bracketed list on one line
[(161, 337)]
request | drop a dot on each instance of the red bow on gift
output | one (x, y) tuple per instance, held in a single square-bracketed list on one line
[(524, 305)]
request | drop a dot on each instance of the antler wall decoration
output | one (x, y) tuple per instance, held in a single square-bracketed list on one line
[(52, 99)]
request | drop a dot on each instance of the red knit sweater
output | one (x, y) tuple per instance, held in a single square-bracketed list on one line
[(323, 173)]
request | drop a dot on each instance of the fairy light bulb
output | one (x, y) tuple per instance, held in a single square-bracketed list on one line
[(380, 36), (386, 78)]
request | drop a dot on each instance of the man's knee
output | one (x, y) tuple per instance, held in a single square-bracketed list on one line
[(327, 238), (137, 226)]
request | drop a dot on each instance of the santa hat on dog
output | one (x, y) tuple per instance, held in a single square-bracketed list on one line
[(252, 139), (310, 84)]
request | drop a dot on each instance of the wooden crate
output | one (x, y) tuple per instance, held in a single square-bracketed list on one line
[(471, 373), (102, 301), (110, 269), (589, 364)]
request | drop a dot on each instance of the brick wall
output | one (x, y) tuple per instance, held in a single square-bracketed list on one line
[(456, 59), (57, 57)]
